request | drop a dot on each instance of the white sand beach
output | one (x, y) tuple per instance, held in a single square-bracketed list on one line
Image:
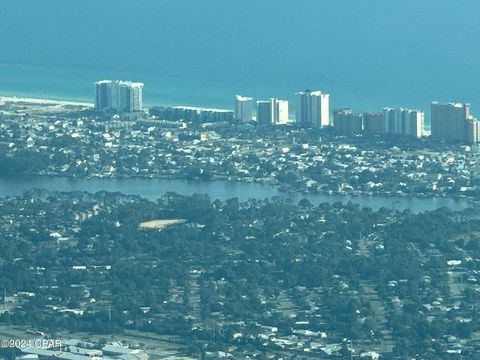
[(37, 101)]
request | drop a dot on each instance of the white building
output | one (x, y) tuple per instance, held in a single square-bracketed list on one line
[(403, 121), (281, 112), (312, 108), (243, 108), (272, 112), (392, 120), (413, 122), (122, 96)]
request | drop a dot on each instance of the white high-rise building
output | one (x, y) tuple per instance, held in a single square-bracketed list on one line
[(313, 108), (403, 121), (281, 112), (393, 120), (123, 96), (243, 108), (273, 111), (413, 122)]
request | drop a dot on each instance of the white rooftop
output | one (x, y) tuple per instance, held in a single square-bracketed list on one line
[(200, 108), (242, 98), (311, 93), (120, 82)]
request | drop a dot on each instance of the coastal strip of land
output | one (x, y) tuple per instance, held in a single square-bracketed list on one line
[(40, 101)]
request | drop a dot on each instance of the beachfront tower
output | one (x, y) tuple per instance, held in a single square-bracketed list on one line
[(243, 108), (264, 112), (346, 122), (116, 95), (280, 112), (413, 122), (450, 121), (103, 90), (312, 108), (272, 112)]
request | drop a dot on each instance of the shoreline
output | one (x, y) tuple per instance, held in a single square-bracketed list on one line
[(65, 101), (43, 101), (267, 184)]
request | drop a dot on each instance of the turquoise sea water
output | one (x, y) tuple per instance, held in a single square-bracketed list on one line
[(367, 54)]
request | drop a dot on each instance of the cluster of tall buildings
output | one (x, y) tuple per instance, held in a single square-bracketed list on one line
[(117, 95), (269, 112), (312, 109), (450, 122), (273, 111), (453, 122), (389, 121)]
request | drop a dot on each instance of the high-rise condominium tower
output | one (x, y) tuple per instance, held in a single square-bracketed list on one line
[(346, 122), (395, 121), (403, 121), (412, 122), (243, 108), (453, 122), (312, 108), (123, 96), (273, 111)]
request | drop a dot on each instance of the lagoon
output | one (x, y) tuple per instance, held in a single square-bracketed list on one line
[(154, 188)]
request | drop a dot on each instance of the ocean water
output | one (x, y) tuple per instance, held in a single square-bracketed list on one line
[(367, 54)]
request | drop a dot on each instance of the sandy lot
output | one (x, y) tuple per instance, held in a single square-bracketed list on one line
[(159, 224)]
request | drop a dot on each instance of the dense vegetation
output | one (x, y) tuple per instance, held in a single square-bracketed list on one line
[(380, 279)]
